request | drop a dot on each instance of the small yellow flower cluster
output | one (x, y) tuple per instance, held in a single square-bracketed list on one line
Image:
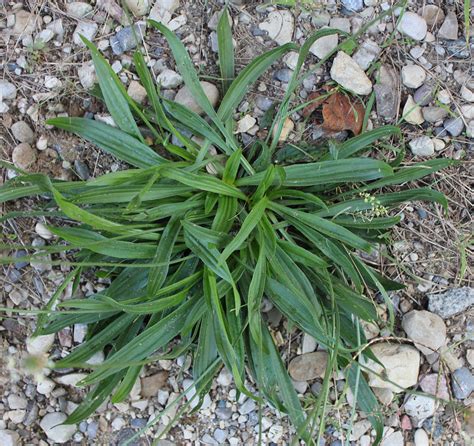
[(377, 209)]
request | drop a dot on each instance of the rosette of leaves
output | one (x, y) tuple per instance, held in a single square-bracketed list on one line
[(190, 255)]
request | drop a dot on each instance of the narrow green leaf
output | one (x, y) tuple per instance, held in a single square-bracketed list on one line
[(225, 50)]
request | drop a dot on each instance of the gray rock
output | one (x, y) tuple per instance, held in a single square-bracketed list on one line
[(454, 126), (126, 39), (138, 7), (7, 90), (92, 429), (348, 74), (82, 170), (427, 329), (458, 48), (432, 14), (220, 436), (341, 23), (386, 98), (283, 75), (412, 25), (86, 29), (393, 439), (79, 10), (169, 79), (424, 95), (185, 97), (434, 114), (123, 437), (263, 103), (449, 28), (420, 407), (9, 438), (279, 25), (422, 146), (421, 438), (224, 413), (87, 75), (25, 23), (451, 302), (368, 51), (413, 76), (23, 156), (463, 383), (22, 132), (308, 366), (54, 430), (353, 5), (325, 45), (247, 407)]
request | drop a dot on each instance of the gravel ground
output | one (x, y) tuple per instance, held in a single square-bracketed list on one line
[(422, 75)]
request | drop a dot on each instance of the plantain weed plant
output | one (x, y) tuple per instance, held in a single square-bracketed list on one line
[(193, 236)]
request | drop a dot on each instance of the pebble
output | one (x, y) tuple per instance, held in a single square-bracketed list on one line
[(348, 74), (224, 378), (324, 46), (458, 49), (126, 39), (467, 110), (224, 413), (420, 407), (413, 26), (22, 132), (308, 366), (287, 128), (43, 231), (138, 7), (190, 388), (279, 25), (412, 112), (153, 383), (432, 14), (426, 329), (353, 5), (424, 95), (452, 302), (45, 386), (39, 344), (454, 126), (245, 124), (82, 170), (16, 402), (7, 90), (79, 10), (263, 103), (70, 379), (463, 383), (87, 29), (434, 114), (25, 23), (421, 438), (413, 76), (291, 60), (449, 28), (309, 344), (340, 23), (367, 52), (54, 430), (162, 10), (9, 438), (87, 75), (402, 363), (444, 97), (393, 439), (359, 428), (466, 94), (386, 100), (283, 75), (23, 156), (169, 79), (248, 406), (435, 385), (185, 97), (137, 92)]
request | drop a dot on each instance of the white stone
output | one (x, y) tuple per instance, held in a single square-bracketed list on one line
[(422, 146), (359, 428), (466, 94), (22, 132), (467, 111), (177, 22), (39, 344), (52, 82), (87, 29), (162, 10), (280, 25), (324, 46), (444, 97), (138, 7), (43, 231), (401, 362), (470, 129), (449, 28), (413, 76), (245, 124), (169, 79), (186, 98), (188, 385), (393, 439), (427, 329), (45, 36), (309, 344), (412, 112), (136, 92), (421, 438), (23, 156), (9, 438), (54, 430), (16, 416), (87, 75), (45, 386), (25, 23), (16, 402), (420, 407), (71, 379), (413, 26), (291, 60), (79, 10), (224, 378), (368, 51), (348, 74), (287, 128), (7, 90)]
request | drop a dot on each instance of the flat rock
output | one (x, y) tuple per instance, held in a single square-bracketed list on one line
[(413, 26), (39, 344), (422, 146), (163, 10), (367, 52), (467, 110), (137, 92), (153, 383), (279, 25), (454, 126), (126, 39), (426, 329), (54, 430), (412, 112), (7, 90), (432, 14), (87, 29), (449, 28), (25, 23), (308, 366), (324, 46), (138, 7), (349, 75), (22, 132), (9, 438), (420, 407), (466, 94), (79, 10), (353, 5), (435, 385), (393, 439), (70, 379), (424, 95), (401, 362), (463, 383), (421, 438), (185, 97), (308, 344), (87, 75), (413, 76), (452, 302), (434, 114), (386, 99), (169, 79), (23, 156)]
